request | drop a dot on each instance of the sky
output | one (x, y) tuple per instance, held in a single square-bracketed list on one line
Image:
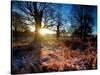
[(66, 13)]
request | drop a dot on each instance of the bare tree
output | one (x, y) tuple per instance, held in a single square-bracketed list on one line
[(59, 25), (58, 20), (82, 20), (17, 24), (33, 12)]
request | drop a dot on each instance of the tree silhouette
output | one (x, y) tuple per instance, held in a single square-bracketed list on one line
[(58, 20), (34, 13), (59, 25), (17, 24), (82, 21)]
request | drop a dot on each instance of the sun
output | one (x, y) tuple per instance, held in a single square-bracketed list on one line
[(44, 31)]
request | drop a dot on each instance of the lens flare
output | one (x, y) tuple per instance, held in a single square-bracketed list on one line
[(46, 31)]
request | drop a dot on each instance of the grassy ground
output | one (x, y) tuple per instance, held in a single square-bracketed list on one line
[(62, 55)]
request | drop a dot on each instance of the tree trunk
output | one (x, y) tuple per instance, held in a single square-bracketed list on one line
[(37, 36), (58, 30), (38, 18)]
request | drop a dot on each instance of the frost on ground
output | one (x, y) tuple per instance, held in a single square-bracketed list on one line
[(54, 56)]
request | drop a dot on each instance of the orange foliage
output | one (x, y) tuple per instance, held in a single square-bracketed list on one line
[(72, 59)]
